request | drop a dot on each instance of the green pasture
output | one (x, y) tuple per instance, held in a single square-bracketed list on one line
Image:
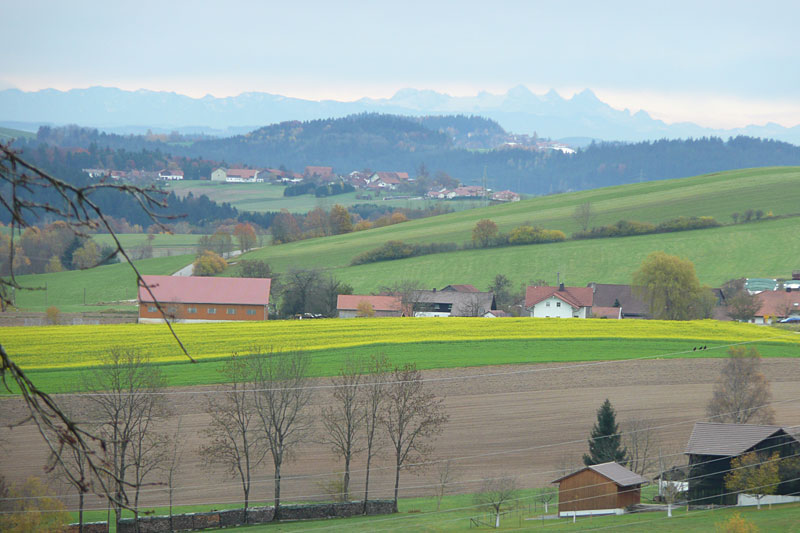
[(431, 355), (6, 134), (160, 240), (269, 197), (719, 254), (101, 285)]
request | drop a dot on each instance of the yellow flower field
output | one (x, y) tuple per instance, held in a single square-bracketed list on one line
[(78, 346)]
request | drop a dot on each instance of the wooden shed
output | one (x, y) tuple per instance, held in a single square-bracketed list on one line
[(607, 488)]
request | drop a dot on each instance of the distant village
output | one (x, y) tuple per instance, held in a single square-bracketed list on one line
[(390, 184)]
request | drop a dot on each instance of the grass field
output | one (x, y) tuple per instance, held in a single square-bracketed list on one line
[(719, 254), (9, 133), (56, 356), (268, 197), (104, 284), (161, 240)]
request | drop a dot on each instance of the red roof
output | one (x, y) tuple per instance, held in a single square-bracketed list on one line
[(575, 296), (378, 303), (778, 303), (322, 172), (607, 312), (244, 173), (206, 290)]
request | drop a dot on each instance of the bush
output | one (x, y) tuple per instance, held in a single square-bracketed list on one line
[(399, 250), (209, 264), (52, 315), (531, 235)]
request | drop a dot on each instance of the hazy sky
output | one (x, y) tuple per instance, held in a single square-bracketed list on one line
[(719, 64)]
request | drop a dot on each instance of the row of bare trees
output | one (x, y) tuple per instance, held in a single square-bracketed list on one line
[(264, 412)]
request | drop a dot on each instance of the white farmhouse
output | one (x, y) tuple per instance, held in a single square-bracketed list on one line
[(559, 302)]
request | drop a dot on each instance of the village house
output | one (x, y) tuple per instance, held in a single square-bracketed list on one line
[(712, 446), (777, 305), (608, 296), (203, 299), (559, 302), (170, 175), (320, 173), (506, 196), (236, 175), (354, 305), (452, 302), (607, 488)]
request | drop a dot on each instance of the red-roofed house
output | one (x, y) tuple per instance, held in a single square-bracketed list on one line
[(559, 302), (323, 173), (204, 299), (776, 305), (347, 305)]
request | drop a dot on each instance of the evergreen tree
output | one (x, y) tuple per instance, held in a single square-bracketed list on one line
[(605, 440)]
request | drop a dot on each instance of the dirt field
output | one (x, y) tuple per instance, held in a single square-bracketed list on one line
[(532, 424)]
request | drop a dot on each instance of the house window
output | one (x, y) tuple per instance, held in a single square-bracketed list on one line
[(191, 310), (212, 310), (251, 312), (152, 309), (231, 311), (547, 304), (558, 304)]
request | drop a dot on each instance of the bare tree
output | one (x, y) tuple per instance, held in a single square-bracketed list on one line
[(545, 497), (742, 392), (125, 407), (445, 474), (23, 187), (374, 403), (344, 417), (172, 465), (408, 291), (413, 416), (472, 306), (235, 443), (639, 439), (280, 398), (583, 215), (496, 494)]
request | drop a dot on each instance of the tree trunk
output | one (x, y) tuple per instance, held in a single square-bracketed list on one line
[(277, 491), (346, 483), (497, 520), (366, 482), (396, 482), (246, 502), (80, 512)]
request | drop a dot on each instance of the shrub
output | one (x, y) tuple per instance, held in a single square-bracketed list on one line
[(209, 263), (736, 524), (52, 314), (531, 235), (399, 250)]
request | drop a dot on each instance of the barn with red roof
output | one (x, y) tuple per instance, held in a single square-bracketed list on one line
[(203, 299)]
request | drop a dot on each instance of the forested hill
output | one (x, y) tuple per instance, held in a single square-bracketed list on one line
[(390, 142)]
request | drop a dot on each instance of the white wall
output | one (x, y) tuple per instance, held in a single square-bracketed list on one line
[(556, 308)]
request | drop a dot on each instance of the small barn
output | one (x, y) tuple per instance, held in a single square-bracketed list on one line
[(203, 299), (607, 488)]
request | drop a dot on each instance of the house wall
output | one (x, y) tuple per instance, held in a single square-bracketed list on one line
[(588, 490), (352, 313), (180, 311), (556, 308), (218, 175), (628, 496)]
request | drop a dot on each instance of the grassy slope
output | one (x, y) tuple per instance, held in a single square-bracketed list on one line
[(607, 260), (9, 133), (268, 197), (162, 240), (108, 283)]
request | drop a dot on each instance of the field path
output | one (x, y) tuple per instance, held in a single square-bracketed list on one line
[(545, 415)]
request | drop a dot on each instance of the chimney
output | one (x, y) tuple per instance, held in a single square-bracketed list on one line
[(561, 287)]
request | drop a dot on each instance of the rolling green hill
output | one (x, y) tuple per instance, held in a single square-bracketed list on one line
[(754, 249)]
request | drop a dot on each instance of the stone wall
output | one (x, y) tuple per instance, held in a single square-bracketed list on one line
[(89, 527), (255, 515)]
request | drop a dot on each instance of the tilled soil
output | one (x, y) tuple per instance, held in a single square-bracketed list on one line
[(531, 421)]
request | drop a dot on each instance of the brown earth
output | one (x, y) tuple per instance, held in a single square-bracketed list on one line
[(533, 423)]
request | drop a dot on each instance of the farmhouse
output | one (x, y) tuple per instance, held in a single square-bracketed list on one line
[(452, 303), (203, 299), (608, 295), (351, 305), (236, 175), (607, 488), (559, 302), (777, 305), (322, 173), (170, 175), (712, 446)]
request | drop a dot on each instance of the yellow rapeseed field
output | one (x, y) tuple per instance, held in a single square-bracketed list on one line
[(79, 346)]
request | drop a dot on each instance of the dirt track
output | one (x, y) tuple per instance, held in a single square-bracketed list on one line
[(544, 415)]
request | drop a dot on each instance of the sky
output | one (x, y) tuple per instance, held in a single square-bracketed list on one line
[(718, 64)]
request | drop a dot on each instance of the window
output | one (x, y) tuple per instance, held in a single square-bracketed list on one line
[(191, 310), (251, 312), (172, 309), (152, 308), (547, 304), (231, 311), (212, 310), (558, 304)]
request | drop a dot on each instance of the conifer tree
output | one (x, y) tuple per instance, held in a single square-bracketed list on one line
[(605, 440)]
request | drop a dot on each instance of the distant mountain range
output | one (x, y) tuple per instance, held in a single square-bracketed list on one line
[(518, 110)]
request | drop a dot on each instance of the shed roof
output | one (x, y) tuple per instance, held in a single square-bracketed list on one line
[(378, 303), (614, 472), (728, 440), (206, 290), (607, 294), (463, 303)]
